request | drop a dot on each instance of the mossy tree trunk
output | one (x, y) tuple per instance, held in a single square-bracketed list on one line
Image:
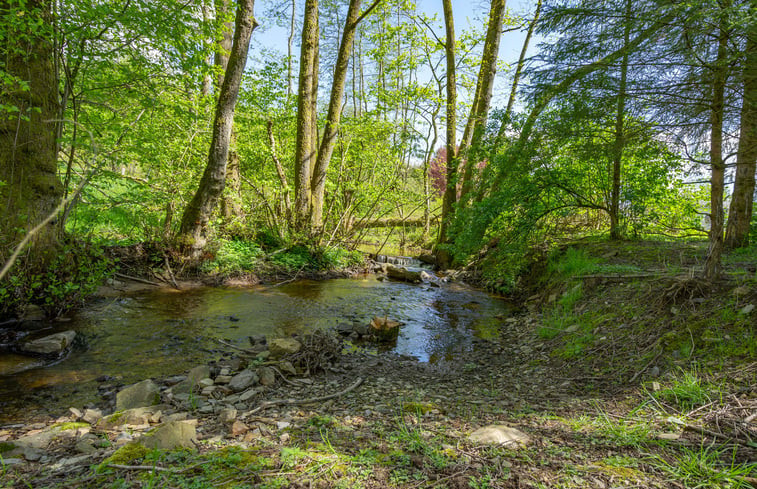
[(30, 189), (450, 192), (194, 223)]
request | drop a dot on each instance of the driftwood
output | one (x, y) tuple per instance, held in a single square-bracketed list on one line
[(137, 279), (295, 402)]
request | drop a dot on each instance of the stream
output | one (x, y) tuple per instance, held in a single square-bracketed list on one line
[(156, 333)]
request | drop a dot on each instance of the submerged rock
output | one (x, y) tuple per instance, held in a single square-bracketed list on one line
[(54, 344)]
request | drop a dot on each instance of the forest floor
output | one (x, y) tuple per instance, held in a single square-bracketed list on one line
[(624, 370)]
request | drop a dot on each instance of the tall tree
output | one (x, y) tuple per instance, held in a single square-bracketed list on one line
[(29, 186), (450, 192), (719, 77), (474, 129), (333, 117), (742, 201), (307, 93), (194, 223)]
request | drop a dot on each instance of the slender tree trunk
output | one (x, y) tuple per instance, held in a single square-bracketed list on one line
[(197, 215), (717, 181), (742, 202), (517, 75), (326, 149), (207, 81), (470, 146), (450, 192), (620, 139), (290, 41), (32, 189), (305, 145), (231, 205)]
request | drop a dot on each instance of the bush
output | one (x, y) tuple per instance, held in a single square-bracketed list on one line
[(58, 284)]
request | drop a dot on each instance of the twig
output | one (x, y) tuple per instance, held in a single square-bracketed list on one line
[(291, 279), (144, 467), (280, 402), (636, 375), (245, 350), (704, 431), (284, 376), (170, 272), (137, 279)]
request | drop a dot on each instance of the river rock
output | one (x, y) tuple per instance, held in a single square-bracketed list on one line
[(281, 347), (141, 416), (92, 416), (194, 377), (50, 345), (402, 273), (174, 434), (141, 394), (267, 376), (500, 435), (243, 380)]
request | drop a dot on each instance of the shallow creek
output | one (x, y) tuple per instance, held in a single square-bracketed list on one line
[(164, 332)]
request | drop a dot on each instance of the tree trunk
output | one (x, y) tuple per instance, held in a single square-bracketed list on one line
[(307, 93), (740, 212), (450, 192), (470, 149), (231, 205), (717, 182), (620, 140), (28, 170), (326, 149), (197, 215), (517, 75)]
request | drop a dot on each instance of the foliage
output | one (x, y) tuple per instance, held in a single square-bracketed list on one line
[(706, 467), (72, 273), (233, 256)]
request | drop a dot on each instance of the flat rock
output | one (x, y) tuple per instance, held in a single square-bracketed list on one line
[(50, 345), (174, 434), (281, 347), (500, 435), (401, 273), (194, 377), (141, 394), (243, 380)]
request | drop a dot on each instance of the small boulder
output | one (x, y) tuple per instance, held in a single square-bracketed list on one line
[(747, 309), (141, 394), (193, 379), (174, 434), (267, 376), (243, 380), (500, 435), (402, 273), (53, 344), (281, 347)]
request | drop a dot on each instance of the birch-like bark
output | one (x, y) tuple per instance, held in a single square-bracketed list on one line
[(450, 191)]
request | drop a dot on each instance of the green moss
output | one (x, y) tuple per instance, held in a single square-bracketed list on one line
[(418, 407), (126, 454), (70, 426), (6, 446)]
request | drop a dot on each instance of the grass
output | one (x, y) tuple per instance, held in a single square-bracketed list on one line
[(688, 391), (706, 467)]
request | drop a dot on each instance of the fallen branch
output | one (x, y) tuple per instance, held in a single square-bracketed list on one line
[(170, 272), (239, 348), (295, 402), (137, 279)]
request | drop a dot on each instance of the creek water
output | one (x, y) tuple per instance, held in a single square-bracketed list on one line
[(163, 332)]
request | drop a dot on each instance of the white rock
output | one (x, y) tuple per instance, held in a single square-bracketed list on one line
[(500, 435)]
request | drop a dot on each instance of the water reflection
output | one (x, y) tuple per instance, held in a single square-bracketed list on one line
[(156, 333)]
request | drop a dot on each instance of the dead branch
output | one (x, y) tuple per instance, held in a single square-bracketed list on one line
[(295, 402)]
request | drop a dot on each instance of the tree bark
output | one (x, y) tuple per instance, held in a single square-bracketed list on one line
[(305, 145), (450, 192), (28, 169), (326, 149), (717, 181), (742, 202), (197, 215), (620, 139), (470, 146), (517, 75)]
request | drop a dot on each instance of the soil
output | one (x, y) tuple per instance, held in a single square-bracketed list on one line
[(594, 419)]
